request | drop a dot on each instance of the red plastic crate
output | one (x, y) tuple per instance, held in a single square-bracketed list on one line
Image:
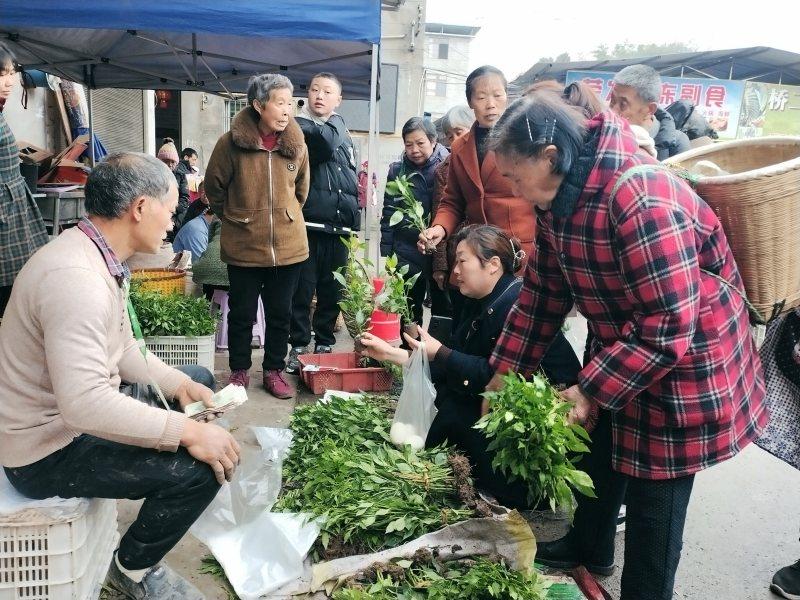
[(343, 374)]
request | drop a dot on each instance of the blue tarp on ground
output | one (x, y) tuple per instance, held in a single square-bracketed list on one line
[(204, 45)]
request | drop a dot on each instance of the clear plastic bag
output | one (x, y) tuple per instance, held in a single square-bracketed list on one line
[(415, 409)]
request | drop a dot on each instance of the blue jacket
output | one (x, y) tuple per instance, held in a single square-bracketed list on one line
[(402, 238), (193, 236)]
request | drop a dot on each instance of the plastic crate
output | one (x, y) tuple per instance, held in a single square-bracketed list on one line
[(58, 559), (342, 373), (179, 350)]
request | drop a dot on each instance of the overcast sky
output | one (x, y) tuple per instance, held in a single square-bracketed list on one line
[(515, 33)]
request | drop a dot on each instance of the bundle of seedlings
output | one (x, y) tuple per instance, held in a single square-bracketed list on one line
[(409, 209), (369, 494), (424, 577), (356, 300), (344, 421), (533, 443), (373, 496)]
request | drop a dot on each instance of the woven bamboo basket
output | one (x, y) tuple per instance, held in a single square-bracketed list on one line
[(758, 204), (166, 281)]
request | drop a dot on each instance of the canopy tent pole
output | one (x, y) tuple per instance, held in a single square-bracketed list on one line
[(91, 123), (372, 153)]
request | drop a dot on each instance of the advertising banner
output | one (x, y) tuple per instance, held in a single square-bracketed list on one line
[(720, 100), (769, 109)]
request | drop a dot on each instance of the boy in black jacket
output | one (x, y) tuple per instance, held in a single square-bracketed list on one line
[(331, 211)]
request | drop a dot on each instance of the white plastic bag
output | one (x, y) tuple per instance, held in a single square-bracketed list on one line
[(415, 409), (259, 550)]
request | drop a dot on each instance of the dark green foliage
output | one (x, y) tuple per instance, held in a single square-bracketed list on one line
[(532, 441), (172, 314)]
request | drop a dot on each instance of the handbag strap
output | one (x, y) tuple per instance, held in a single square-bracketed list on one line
[(756, 317)]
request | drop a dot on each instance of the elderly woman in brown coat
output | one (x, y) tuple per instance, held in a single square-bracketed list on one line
[(257, 181)]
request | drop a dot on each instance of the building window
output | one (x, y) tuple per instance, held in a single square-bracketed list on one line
[(444, 49), (231, 108), (436, 85)]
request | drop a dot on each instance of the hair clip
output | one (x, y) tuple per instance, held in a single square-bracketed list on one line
[(552, 134), (530, 133), (549, 132)]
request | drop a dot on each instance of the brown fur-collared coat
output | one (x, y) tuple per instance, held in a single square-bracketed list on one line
[(259, 194)]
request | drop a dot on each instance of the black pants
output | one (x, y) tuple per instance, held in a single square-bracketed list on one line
[(326, 253), (275, 285), (5, 294), (416, 296), (440, 300), (656, 513), (176, 487), (453, 424)]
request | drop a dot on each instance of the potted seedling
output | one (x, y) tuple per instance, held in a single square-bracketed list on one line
[(356, 299), (393, 297), (409, 208)]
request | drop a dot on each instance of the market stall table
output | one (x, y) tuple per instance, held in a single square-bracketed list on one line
[(60, 205)]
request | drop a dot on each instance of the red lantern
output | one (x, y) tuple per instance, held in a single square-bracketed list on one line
[(163, 97)]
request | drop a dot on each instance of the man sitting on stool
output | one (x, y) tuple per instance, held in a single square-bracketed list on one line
[(66, 346)]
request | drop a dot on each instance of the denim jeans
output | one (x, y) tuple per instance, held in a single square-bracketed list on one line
[(176, 487)]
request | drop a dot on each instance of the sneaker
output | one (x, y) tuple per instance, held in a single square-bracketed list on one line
[(293, 363), (240, 377), (159, 583), (277, 385), (786, 582), (323, 349), (559, 554)]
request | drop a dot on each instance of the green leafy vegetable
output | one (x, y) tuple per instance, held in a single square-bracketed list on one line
[(369, 494), (480, 579), (210, 566), (344, 421), (172, 314), (532, 441)]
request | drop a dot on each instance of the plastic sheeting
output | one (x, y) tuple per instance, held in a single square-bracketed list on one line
[(507, 535), (259, 550), (13, 504)]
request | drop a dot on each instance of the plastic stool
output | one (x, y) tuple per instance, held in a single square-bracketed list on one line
[(220, 299)]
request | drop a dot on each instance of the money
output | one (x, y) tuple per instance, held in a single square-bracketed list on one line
[(226, 399)]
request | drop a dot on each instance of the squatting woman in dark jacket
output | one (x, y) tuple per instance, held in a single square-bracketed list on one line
[(485, 261), (420, 160)]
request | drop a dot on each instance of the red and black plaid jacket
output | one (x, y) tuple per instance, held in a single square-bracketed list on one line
[(673, 360)]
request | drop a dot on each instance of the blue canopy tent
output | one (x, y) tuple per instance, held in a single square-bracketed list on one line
[(213, 46), (204, 45)]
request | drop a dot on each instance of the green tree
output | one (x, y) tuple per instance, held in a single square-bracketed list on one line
[(563, 57), (629, 50)]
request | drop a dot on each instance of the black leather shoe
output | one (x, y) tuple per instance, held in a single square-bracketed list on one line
[(559, 554)]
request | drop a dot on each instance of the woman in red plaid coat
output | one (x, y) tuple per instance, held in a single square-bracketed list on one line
[(674, 384)]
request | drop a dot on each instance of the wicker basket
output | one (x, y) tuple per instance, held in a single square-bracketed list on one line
[(758, 204), (166, 281)]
